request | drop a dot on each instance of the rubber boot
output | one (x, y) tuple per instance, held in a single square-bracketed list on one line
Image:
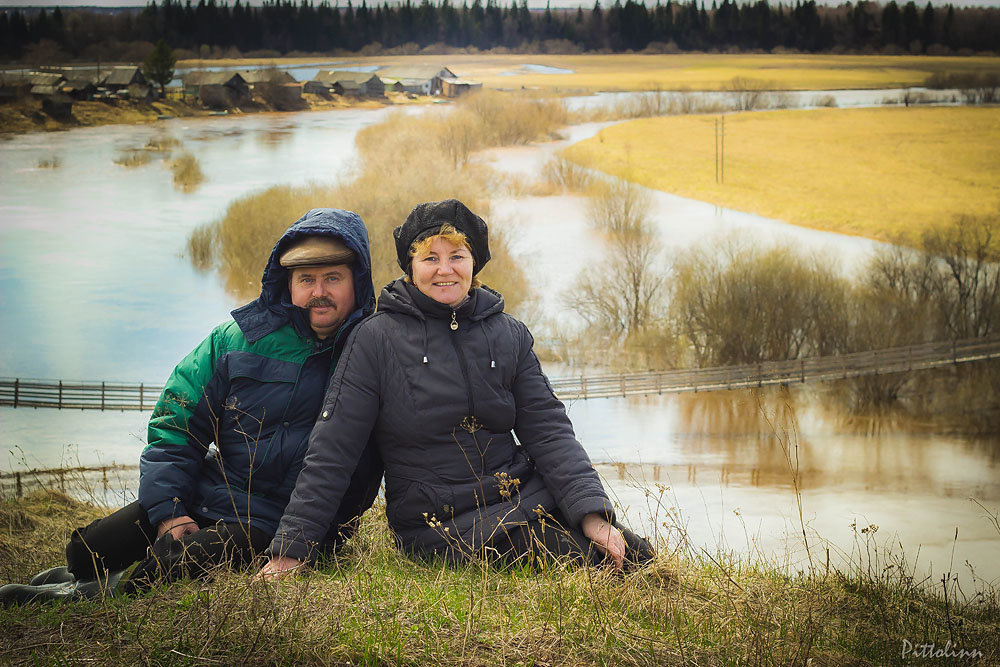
[(19, 594), (53, 575)]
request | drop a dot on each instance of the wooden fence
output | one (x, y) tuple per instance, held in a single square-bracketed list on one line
[(22, 393), (93, 478), (809, 369)]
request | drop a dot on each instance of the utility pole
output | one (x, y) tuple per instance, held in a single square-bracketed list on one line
[(720, 149), (716, 121), (722, 152)]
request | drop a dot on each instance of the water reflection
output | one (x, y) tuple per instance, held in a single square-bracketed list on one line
[(129, 304), (728, 464)]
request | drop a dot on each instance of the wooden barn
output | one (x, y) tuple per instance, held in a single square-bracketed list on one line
[(457, 87), (419, 79), (217, 90), (359, 84)]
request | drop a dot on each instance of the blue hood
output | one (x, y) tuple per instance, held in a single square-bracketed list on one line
[(273, 309)]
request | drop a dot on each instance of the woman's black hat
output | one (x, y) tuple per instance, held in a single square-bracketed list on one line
[(426, 220)]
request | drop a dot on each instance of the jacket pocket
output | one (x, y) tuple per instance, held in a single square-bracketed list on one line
[(411, 505)]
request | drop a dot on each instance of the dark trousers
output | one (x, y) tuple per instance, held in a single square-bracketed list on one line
[(120, 539), (551, 538), (539, 540)]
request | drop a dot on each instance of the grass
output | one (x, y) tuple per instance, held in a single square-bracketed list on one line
[(133, 158), (880, 173), (371, 605), (187, 172), (686, 71)]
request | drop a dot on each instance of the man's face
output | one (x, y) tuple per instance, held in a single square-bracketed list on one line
[(327, 292)]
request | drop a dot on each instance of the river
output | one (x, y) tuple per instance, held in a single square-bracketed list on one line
[(94, 285)]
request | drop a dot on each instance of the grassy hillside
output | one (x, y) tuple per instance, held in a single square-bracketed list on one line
[(374, 606)]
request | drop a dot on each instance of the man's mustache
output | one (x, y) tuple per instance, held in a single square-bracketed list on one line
[(320, 302)]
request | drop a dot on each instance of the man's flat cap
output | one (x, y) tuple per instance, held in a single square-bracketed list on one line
[(317, 251)]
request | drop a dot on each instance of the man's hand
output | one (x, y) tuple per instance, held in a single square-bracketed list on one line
[(605, 537), (178, 527), (279, 566)]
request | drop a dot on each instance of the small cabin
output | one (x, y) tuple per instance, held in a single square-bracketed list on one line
[(217, 90), (458, 87)]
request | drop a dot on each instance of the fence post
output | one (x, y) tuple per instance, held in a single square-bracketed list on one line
[(104, 475), (623, 384), (20, 489), (102, 396), (60, 395), (141, 404), (802, 370), (62, 481), (583, 386), (17, 388)]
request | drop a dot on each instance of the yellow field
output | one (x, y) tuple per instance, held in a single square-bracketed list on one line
[(674, 72), (880, 173)]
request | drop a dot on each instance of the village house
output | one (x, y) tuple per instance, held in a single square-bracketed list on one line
[(418, 79), (457, 87), (256, 77), (44, 84), (121, 78), (275, 87), (217, 90), (360, 84)]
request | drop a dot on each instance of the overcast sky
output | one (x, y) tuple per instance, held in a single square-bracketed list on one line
[(531, 3)]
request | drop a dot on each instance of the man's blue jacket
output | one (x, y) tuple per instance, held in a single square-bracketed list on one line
[(228, 435)]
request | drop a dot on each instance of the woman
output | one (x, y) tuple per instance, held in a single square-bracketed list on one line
[(441, 380)]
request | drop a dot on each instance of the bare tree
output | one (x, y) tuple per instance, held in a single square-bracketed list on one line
[(624, 298)]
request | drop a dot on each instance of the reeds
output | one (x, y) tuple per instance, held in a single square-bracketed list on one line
[(187, 172), (162, 144), (133, 158)]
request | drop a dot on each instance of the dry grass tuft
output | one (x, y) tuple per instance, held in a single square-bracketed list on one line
[(49, 163), (133, 158), (162, 144), (34, 531), (187, 172)]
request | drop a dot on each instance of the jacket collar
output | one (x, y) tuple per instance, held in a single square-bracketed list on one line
[(273, 308)]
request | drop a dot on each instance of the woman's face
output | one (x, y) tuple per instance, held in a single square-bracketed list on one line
[(443, 272)]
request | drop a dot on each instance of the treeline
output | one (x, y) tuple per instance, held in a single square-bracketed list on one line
[(209, 28)]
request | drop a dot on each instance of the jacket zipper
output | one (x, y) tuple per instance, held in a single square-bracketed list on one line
[(462, 363)]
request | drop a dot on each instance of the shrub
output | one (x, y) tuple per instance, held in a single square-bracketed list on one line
[(187, 172), (132, 158)]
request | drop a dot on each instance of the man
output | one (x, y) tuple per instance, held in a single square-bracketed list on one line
[(228, 435)]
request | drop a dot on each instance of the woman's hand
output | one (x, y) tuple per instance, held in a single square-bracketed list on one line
[(605, 537), (279, 566), (178, 527)]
